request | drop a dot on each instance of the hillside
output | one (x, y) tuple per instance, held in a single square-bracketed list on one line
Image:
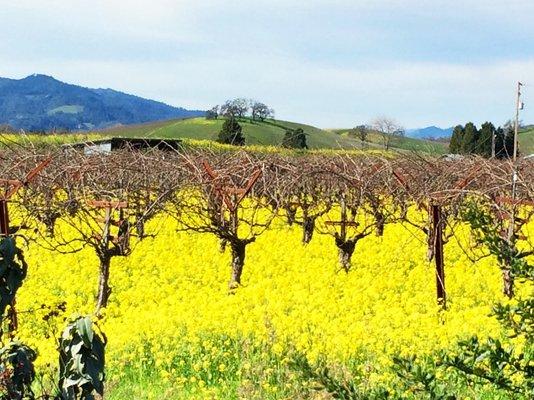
[(526, 140), (374, 140), (268, 133), (42, 103)]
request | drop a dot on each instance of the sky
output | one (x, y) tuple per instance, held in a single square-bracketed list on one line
[(331, 63)]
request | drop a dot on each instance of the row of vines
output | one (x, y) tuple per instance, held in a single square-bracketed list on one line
[(105, 201)]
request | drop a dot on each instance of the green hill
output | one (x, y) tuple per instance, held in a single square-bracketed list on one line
[(374, 140), (268, 133), (526, 140)]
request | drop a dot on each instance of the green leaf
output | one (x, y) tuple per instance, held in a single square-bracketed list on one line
[(84, 327)]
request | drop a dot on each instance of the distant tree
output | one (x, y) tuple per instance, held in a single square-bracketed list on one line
[(227, 110), (261, 111), (484, 141), (294, 139), (388, 129), (236, 108), (231, 133), (504, 141), (212, 113), (361, 132), (469, 142), (455, 145)]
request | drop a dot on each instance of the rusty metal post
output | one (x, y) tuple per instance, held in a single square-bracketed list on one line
[(4, 231), (437, 232), (4, 218)]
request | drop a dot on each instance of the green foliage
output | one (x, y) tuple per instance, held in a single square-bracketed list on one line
[(13, 270), (501, 366), (295, 139), (342, 388), (419, 376), (455, 145), (517, 318), (231, 133), (81, 361), (16, 371), (470, 138), (485, 140), (487, 231)]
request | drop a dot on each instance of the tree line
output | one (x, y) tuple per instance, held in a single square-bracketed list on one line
[(241, 108), (488, 141)]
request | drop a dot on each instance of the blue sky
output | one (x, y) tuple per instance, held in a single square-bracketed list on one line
[(333, 63)]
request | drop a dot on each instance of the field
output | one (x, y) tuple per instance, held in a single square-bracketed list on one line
[(265, 275), (175, 332)]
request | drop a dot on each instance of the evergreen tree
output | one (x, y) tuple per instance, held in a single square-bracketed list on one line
[(294, 139), (231, 133), (508, 148), (470, 138), (485, 140), (455, 145), (499, 143), (504, 142)]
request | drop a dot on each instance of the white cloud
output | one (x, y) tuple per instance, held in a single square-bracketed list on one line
[(416, 94), (323, 62)]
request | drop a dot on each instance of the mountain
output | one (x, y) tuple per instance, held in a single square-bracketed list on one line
[(430, 132), (40, 102)]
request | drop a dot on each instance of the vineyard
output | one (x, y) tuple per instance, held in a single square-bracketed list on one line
[(208, 273)]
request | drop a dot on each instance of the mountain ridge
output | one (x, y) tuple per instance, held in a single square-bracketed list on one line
[(41, 102), (430, 132)]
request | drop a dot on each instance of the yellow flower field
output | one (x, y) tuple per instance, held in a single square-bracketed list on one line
[(172, 292)]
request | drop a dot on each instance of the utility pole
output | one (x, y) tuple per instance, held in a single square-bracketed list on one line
[(519, 106), (493, 144), (511, 228)]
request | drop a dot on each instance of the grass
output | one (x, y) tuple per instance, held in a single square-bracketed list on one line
[(375, 140), (526, 140)]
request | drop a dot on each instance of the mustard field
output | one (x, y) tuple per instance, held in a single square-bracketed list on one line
[(175, 331)]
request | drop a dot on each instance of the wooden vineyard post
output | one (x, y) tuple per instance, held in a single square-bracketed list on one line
[(437, 243), (4, 218), (4, 232), (435, 235), (232, 196)]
